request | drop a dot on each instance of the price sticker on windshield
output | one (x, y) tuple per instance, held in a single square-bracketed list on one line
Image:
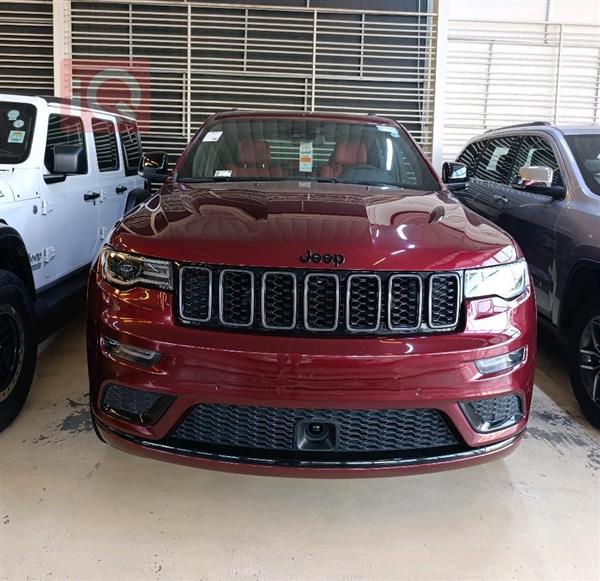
[(212, 136), (306, 156)]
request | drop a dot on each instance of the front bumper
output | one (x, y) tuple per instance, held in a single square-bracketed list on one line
[(214, 367)]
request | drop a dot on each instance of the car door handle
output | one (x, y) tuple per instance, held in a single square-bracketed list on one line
[(91, 196), (502, 199), (120, 189)]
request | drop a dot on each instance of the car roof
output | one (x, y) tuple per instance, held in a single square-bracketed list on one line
[(322, 115), (61, 102), (546, 126)]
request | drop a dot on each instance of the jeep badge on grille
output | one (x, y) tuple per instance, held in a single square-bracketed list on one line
[(315, 257)]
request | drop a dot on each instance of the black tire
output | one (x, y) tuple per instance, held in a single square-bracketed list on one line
[(584, 366), (18, 346)]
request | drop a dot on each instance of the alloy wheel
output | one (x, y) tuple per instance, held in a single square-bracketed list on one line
[(12, 349), (589, 358)]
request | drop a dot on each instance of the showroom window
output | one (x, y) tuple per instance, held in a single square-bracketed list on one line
[(470, 156), (132, 150), (536, 151), (496, 160), (63, 130), (105, 139)]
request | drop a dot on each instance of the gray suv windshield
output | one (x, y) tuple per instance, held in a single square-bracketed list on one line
[(586, 150)]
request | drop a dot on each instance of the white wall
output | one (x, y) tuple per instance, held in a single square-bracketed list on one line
[(567, 11), (502, 65)]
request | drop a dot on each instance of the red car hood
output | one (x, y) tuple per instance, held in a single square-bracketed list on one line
[(274, 223)]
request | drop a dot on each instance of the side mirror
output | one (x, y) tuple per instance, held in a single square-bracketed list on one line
[(537, 179), (455, 175), (68, 159), (154, 166), (64, 160)]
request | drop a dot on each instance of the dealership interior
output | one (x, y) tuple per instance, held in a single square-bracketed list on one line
[(354, 333)]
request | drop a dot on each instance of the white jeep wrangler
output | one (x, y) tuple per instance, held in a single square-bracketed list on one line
[(67, 175)]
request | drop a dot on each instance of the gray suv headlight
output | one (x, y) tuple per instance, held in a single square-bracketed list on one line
[(129, 270), (507, 281)]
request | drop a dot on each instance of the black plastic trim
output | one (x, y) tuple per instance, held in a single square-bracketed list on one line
[(403, 461)]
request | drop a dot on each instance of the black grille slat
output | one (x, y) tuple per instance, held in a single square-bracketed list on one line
[(405, 296), (195, 293), (321, 302), (443, 300), (236, 297), (302, 301), (274, 428), (363, 302), (279, 300)]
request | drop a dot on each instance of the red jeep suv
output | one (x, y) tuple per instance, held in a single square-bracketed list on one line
[(304, 297)]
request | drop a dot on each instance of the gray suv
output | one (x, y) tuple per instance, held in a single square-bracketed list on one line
[(541, 183)]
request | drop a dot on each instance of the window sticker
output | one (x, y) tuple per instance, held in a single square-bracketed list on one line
[(13, 114), (16, 136), (212, 136), (223, 173), (306, 156), (388, 129), (18, 123)]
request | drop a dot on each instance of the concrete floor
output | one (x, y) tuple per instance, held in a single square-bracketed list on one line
[(73, 508)]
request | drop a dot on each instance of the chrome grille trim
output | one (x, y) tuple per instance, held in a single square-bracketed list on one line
[(263, 290), (458, 304), (307, 280), (348, 298), (251, 318), (389, 305), (210, 293)]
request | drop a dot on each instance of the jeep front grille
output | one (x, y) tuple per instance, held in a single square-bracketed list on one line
[(307, 301)]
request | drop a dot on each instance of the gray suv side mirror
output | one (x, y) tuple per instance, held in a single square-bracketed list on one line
[(537, 179), (154, 166), (455, 175)]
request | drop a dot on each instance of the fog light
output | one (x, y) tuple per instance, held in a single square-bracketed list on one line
[(501, 362), (145, 357), (135, 405), (494, 413)]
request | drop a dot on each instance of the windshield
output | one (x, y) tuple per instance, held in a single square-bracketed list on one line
[(303, 149), (586, 150), (17, 121)]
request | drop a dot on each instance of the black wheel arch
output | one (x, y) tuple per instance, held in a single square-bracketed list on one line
[(582, 283), (14, 256)]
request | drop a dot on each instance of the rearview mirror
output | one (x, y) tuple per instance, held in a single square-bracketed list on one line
[(537, 179), (455, 175), (154, 166)]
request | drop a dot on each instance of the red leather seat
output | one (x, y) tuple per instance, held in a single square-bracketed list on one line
[(346, 154), (254, 158)]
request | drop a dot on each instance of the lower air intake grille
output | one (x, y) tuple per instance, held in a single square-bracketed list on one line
[(496, 410), (274, 428)]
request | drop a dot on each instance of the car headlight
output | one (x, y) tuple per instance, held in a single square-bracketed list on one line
[(507, 281), (128, 270)]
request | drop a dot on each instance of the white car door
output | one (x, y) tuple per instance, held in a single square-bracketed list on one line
[(117, 156), (68, 202)]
